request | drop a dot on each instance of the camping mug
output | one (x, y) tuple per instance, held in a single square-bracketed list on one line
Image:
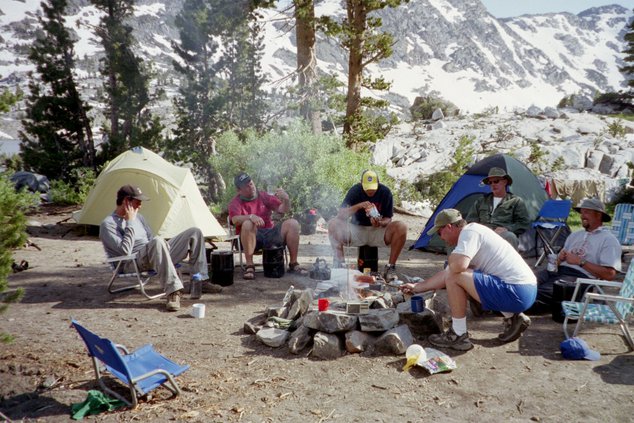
[(417, 304), (322, 304)]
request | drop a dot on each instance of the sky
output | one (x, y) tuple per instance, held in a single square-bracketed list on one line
[(512, 8)]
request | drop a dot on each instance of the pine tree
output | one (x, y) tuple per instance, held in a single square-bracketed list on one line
[(126, 87), (57, 134), (628, 69), (359, 34), (221, 88)]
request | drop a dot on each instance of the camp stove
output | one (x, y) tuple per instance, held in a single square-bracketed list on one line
[(320, 270)]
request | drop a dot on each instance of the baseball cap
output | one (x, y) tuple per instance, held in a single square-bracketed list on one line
[(577, 349), (369, 180), (443, 218), (241, 179), (132, 192)]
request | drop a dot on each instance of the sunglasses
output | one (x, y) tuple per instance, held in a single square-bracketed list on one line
[(495, 181)]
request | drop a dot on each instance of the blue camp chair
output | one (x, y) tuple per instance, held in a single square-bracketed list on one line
[(142, 370), (623, 223), (552, 215)]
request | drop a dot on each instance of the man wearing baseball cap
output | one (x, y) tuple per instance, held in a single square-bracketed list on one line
[(126, 232), (250, 211), (484, 267), (365, 218), (500, 210), (593, 252)]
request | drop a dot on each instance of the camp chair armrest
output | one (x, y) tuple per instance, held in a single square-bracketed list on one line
[(121, 258), (605, 297), (122, 348)]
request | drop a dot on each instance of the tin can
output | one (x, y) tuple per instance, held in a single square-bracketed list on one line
[(374, 213), (552, 263)]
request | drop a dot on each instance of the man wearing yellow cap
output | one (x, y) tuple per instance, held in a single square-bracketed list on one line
[(365, 218)]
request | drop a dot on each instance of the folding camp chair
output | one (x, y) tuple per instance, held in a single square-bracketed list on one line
[(142, 370), (552, 215), (623, 224), (118, 264), (613, 309)]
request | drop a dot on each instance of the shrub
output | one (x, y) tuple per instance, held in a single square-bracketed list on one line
[(315, 170), (616, 129), (424, 107), (73, 193), (13, 205)]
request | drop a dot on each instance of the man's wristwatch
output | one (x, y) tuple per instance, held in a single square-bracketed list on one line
[(582, 262)]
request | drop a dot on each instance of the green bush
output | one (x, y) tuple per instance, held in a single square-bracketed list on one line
[(424, 107), (73, 193), (315, 170), (13, 206), (616, 129)]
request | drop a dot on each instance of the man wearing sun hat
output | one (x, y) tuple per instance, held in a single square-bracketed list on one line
[(365, 218), (500, 210), (125, 232), (593, 252), (484, 267)]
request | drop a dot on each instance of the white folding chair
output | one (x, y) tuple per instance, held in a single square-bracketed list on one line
[(141, 278)]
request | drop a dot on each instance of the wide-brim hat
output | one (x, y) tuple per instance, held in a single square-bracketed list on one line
[(445, 217), (596, 205), (497, 172)]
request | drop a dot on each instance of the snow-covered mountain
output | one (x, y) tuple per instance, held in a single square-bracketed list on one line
[(453, 48)]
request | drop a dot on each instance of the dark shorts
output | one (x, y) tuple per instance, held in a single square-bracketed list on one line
[(497, 295), (269, 237)]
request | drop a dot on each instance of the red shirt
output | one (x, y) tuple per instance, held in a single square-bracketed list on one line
[(263, 205)]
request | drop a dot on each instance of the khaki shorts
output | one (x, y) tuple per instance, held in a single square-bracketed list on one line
[(367, 235)]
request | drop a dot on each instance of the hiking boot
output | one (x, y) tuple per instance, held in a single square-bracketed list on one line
[(449, 339), (514, 326), (389, 273), (211, 288), (174, 301)]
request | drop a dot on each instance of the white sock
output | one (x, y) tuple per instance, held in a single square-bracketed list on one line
[(506, 314), (459, 326)]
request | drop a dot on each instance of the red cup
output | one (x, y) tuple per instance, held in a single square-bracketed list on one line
[(322, 304)]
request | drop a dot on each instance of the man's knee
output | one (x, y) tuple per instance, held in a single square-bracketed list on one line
[(290, 225)]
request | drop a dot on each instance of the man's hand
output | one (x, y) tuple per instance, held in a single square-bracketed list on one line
[(130, 210), (281, 194), (257, 220), (408, 288)]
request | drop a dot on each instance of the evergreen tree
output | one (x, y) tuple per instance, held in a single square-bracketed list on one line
[(57, 135), (628, 69), (126, 84), (221, 88), (359, 34)]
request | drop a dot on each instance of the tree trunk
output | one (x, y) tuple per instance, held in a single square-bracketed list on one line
[(357, 15), (306, 62)]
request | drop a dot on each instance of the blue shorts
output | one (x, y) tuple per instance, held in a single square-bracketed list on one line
[(269, 237), (497, 295)]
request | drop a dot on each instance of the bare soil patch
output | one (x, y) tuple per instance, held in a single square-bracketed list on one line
[(235, 378)]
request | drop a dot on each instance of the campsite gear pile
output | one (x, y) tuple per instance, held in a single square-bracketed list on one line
[(380, 322), (320, 270)]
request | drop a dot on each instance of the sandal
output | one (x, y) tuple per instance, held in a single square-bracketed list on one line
[(297, 269), (249, 273), (19, 267)]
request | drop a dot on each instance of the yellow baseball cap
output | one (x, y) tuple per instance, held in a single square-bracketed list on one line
[(369, 181)]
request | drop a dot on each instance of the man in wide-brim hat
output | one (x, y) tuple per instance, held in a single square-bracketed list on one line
[(593, 252), (500, 210)]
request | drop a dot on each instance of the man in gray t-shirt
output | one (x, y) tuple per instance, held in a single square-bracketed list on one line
[(126, 232), (593, 252)]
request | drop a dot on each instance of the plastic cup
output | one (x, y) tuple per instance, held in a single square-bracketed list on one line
[(417, 304), (322, 304), (198, 311)]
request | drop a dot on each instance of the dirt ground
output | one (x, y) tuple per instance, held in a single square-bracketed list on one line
[(235, 378)]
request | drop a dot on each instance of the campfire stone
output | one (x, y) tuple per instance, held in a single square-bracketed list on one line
[(327, 346), (379, 320), (277, 311), (422, 324), (254, 324), (273, 337), (357, 341), (299, 339), (395, 340), (330, 322), (300, 304)]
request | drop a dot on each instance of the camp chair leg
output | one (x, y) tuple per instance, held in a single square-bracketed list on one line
[(141, 281), (548, 249)]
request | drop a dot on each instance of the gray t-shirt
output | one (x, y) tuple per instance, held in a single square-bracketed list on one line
[(599, 247), (121, 237)]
